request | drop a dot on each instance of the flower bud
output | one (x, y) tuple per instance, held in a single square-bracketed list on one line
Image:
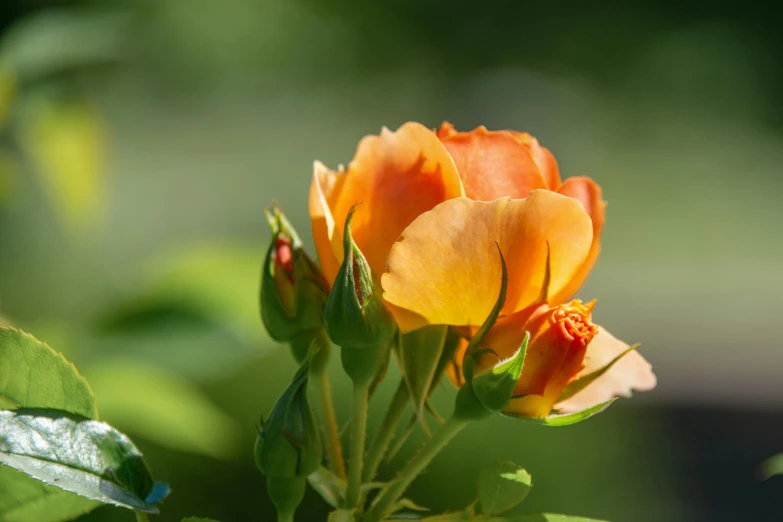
[(289, 444), (293, 290), (356, 317)]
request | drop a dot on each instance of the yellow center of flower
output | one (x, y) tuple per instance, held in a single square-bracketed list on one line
[(574, 323)]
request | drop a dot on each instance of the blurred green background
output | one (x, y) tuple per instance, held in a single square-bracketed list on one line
[(141, 141)]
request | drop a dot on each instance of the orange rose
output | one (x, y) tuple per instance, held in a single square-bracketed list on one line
[(434, 208)]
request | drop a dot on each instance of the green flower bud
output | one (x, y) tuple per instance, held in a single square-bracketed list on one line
[(293, 290), (289, 444), (355, 314)]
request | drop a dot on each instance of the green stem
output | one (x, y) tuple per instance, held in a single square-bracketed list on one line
[(142, 517), (334, 448), (358, 434), (432, 447), (285, 516), (386, 432)]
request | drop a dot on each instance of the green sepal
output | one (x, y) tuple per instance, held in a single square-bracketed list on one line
[(581, 383), (290, 307), (356, 317), (475, 342), (342, 515), (566, 419), (501, 486), (331, 487), (289, 442), (495, 387), (286, 493), (539, 517)]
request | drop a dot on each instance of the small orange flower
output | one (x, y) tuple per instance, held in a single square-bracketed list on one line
[(435, 208)]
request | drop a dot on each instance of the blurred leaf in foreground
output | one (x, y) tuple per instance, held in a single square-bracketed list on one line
[(162, 407), (66, 143)]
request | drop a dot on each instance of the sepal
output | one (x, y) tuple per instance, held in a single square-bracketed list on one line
[(289, 443), (293, 289), (566, 419), (356, 316), (494, 388)]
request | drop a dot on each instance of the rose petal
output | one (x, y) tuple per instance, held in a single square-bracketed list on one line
[(544, 159), (588, 192), (632, 372), (397, 176), (445, 266), (492, 164), (323, 194)]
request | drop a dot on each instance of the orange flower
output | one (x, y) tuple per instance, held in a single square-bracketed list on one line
[(434, 208)]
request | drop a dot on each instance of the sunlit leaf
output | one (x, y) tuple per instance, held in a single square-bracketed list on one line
[(25, 499), (80, 455), (771, 467), (502, 486), (66, 144), (32, 375), (156, 404)]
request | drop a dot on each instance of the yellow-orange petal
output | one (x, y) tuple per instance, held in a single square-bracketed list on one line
[(632, 372), (545, 160), (588, 192), (396, 176), (323, 194), (446, 267), (492, 164)]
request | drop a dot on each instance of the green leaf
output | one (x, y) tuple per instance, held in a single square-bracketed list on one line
[(60, 40), (66, 144), (328, 485), (342, 515), (567, 419), (32, 375), (581, 383), (771, 467), (502, 486), (24, 499), (80, 455), (194, 311), (419, 356), (194, 519), (161, 406)]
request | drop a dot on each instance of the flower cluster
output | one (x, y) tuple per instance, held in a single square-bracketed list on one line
[(461, 253)]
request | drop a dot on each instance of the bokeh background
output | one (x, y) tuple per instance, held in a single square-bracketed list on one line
[(141, 141)]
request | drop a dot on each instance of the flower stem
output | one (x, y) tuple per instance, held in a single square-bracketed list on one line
[(334, 449), (432, 447), (142, 517), (285, 516), (386, 432), (358, 434)]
